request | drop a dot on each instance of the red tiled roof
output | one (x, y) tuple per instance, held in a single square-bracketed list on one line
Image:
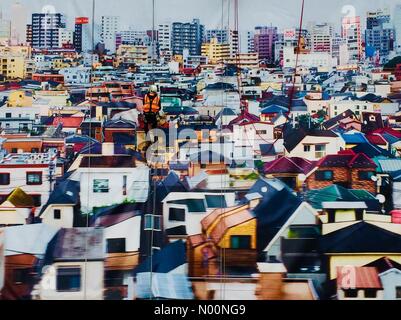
[(358, 278), (388, 130), (376, 139), (68, 122), (289, 165), (346, 159), (244, 116)]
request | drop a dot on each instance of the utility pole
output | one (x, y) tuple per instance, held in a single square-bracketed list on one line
[(52, 167)]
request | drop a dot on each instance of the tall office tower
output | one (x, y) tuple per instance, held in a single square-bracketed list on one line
[(379, 34), (29, 34), (220, 34), (110, 26), (19, 14), (164, 35), (234, 42), (264, 40), (189, 36), (351, 32), (83, 35), (250, 41), (46, 29), (337, 47), (5, 30), (397, 28), (321, 37)]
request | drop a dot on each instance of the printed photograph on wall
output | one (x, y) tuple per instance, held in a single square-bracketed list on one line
[(200, 150)]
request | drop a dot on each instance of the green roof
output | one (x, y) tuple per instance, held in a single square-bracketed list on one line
[(336, 193)]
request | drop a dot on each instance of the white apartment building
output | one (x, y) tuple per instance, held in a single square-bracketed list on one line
[(109, 28), (65, 37), (308, 60), (164, 36)]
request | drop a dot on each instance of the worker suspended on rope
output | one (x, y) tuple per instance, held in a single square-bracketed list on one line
[(151, 108)]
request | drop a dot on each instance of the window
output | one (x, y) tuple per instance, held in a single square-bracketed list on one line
[(398, 292), (116, 245), (365, 175), (307, 148), (4, 179), (240, 242), (21, 276), (35, 150), (152, 222), (124, 185), (8, 115), (370, 293), (68, 279), (176, 214), (57, 214), (320, 150), (114, 278), (100, 185), (34, 178), (14, 150), (325, 175), (351, 293), (216, 201)]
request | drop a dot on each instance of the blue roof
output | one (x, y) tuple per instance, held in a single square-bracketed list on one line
[(371, 151), (169, 258), (390, 138), (79, 139), (274, 109), (354, 138)]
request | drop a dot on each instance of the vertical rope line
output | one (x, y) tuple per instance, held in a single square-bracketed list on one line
[(89, 143), (151, 175)]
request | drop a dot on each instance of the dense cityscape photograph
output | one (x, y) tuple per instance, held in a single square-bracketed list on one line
[(200, 150)]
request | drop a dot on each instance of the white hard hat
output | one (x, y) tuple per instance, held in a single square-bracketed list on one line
[(153, 88)]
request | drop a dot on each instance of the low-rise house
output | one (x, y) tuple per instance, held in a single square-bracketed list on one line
[(111, 179), (287, 233), (24, 250), (183, 211), (75, 266), (312, 145), (69, 124), (62, 208), (233, 230), (348, 169), (17, 209), (33, 173), (292, 171), (116, 130), (122, 235), (359, 244), (251, 134), (390, 277), (358, 283)]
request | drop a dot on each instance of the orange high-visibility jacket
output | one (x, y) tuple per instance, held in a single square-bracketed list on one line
[(151, 103)]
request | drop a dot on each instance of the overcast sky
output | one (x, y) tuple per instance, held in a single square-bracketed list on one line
[(281, 13)]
